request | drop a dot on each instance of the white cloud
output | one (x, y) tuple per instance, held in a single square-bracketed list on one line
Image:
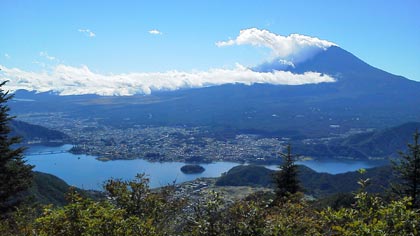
[(293, 48), (45, 54), (87, 32), (41, 64), (7, 56), (68, 80), (154, 31)]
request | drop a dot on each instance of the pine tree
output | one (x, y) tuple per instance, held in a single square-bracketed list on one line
[(286, 179), (15, 174), (408, 171)]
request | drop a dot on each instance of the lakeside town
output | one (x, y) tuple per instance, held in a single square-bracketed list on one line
[(164, 143)]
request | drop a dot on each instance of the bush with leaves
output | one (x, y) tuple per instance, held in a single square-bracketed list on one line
[(20, 222), (254, 217), (293, 216), (130, 209), (372, 216), (246, 218), (207, 217), (86, 217), (137, 199)]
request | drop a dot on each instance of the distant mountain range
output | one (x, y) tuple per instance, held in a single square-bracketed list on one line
[(361, 97)]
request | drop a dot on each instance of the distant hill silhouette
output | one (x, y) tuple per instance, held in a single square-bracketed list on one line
[(383, 143), (30, 132)]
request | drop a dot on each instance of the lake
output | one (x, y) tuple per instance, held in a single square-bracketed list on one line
[(335, 166), (86, 172)]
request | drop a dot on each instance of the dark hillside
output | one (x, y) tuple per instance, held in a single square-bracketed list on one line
[(31, 132), (316, 184)]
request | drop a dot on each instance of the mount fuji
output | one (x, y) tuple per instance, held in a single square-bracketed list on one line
[(362, 96)]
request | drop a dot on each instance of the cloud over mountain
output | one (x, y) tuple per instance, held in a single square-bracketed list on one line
[(68, 80), (288, 50)]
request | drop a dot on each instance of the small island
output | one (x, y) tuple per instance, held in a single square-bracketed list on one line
[(192, 169)]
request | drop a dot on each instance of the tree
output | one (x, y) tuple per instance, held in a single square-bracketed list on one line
[(286, 178), (408, 171), (15, 174)]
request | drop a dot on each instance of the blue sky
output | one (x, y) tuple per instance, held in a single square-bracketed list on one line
[(38, 35)]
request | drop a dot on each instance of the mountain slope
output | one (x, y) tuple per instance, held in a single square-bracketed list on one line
[(361, 97), (354, 76), (31, 132), (385, 142), (49, 189)]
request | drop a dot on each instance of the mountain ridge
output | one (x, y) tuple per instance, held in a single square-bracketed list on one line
[(362, 97)]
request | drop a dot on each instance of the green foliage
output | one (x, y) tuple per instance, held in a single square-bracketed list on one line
[(294, 217), (86, 217), (135, 196), (408, 171), (208, 216), (286, 178), (213, 217), (131, 209), (19, 222), (254, 217), (371, 216), (247, 218), (15, 174)]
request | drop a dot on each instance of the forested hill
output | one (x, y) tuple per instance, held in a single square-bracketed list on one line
[(49, 189), (36, 133), (314, 183)]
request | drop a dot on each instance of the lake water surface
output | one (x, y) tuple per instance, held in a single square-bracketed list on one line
[(86, 172)]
